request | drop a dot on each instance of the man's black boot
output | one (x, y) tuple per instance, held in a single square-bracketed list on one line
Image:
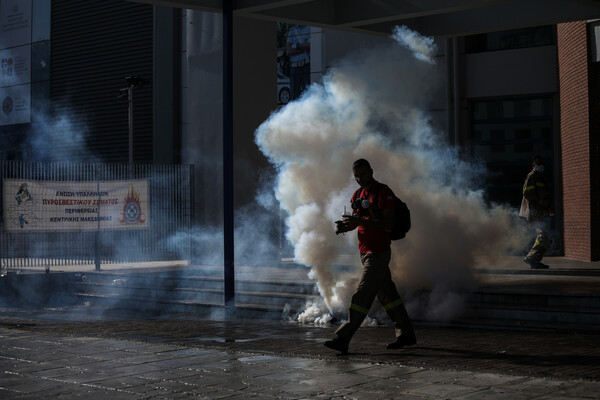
[(533, 264), (538, 265), (338, 344), (402, 341)]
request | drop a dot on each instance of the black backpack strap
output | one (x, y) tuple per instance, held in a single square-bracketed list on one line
[(376, 210), (376, 195), (355, 195)]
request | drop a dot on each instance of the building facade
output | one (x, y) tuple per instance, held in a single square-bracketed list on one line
[(79, 63), (508, 96)]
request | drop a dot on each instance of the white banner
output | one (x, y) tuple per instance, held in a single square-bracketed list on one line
[(15, 66), (75, 206), (15, 22), (16, 105)]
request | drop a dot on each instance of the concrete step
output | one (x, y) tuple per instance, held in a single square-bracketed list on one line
[(536, 310), (508, 299), (191, 295), (182, 282)]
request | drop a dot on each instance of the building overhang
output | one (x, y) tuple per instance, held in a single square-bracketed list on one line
[(439, 18)]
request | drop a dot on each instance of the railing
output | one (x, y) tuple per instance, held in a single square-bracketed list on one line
[(164, 236)]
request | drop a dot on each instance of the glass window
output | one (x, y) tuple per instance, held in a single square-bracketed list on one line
[(513, 39), (507, 133), (40, 29)]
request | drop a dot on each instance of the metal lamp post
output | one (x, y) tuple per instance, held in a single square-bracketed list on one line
[(133, 82)]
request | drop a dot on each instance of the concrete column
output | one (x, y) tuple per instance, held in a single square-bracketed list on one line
[(167, 94)]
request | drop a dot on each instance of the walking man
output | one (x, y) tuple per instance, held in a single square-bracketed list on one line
[(373, 214), (535, 207)]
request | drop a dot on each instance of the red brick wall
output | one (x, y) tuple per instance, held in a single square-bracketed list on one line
[(594, 80), (575, 138)]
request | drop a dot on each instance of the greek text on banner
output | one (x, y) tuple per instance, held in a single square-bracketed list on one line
[(75, 206)]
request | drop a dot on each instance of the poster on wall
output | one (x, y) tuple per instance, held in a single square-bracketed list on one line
[(15, 61), (51, 206), (16, 104), (293, 61), (15, 66), (15, 18)]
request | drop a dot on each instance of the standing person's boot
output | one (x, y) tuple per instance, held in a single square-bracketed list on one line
[(535, 255), (534, 264)]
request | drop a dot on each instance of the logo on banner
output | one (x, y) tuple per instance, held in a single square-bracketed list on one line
[(7, 105), (132, 210), (7, 67), (23, 212)]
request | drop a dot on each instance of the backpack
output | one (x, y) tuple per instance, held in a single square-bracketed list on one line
[(401, 216)]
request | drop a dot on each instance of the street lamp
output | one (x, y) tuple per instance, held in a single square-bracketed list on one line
[(133, 82)]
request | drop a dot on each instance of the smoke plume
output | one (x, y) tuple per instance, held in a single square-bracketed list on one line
[(373, 105), (59, 139)]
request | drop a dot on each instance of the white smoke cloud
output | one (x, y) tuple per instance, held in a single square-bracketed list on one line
[(422, 47), (56, 139), (373, 105)]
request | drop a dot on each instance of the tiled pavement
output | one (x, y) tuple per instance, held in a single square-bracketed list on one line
[(81, 353), (44, 356)]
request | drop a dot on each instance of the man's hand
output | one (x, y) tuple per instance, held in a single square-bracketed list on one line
[(346, 224), (351, 221), (386, 223)]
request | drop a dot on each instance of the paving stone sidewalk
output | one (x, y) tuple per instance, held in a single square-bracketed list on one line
[(186, 357)]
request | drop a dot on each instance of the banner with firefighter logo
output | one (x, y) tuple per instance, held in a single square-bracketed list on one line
[(75, 206)]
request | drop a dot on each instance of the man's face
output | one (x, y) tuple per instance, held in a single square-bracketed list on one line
[(363, 176)]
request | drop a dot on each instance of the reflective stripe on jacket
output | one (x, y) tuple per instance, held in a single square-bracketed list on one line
[(536, 197)]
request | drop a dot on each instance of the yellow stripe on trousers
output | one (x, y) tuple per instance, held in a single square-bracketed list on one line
[(393, 304), (359, 308)]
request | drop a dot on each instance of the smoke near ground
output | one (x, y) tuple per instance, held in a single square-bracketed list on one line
[(373, 105)]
